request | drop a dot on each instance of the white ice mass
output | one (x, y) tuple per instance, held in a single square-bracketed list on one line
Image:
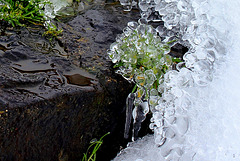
[(198, 117)]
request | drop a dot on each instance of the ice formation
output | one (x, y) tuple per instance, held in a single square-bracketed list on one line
[(51, 10), (142, 58), (198, 116)]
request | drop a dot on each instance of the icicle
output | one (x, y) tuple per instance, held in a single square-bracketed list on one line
[(129, 109), (139, 115)]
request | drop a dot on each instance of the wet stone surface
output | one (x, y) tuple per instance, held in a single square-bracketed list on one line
[(57, 96), (88, 35)]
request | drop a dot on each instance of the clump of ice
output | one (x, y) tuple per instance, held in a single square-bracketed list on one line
[(198, 116), (142, 59), (141, 150), (51, 10)]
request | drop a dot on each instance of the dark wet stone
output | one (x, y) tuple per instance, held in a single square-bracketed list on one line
[(16, 54), (57, 96), (103, 37), (178, 50)]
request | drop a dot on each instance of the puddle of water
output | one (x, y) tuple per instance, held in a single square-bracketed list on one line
[(54, 82), (80, 77), (77, 77), (33, 66)]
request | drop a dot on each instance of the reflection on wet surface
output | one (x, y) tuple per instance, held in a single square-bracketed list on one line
[(32, 66), (53, 77), (80, 77), (77, 79)]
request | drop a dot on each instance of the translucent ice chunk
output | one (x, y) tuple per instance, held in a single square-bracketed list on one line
[(129, 109), (139, 115), (51, 10)]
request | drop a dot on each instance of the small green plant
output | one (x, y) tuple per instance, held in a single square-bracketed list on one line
[(21, 12), (141, 57), (24, 12), (91, 153)]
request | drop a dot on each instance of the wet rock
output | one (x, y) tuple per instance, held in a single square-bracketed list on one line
[(88, 35), (178, 50), (57, 96), (102, 37)]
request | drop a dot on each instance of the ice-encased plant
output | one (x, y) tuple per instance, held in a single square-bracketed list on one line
[(140, 55), (142, 58)]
